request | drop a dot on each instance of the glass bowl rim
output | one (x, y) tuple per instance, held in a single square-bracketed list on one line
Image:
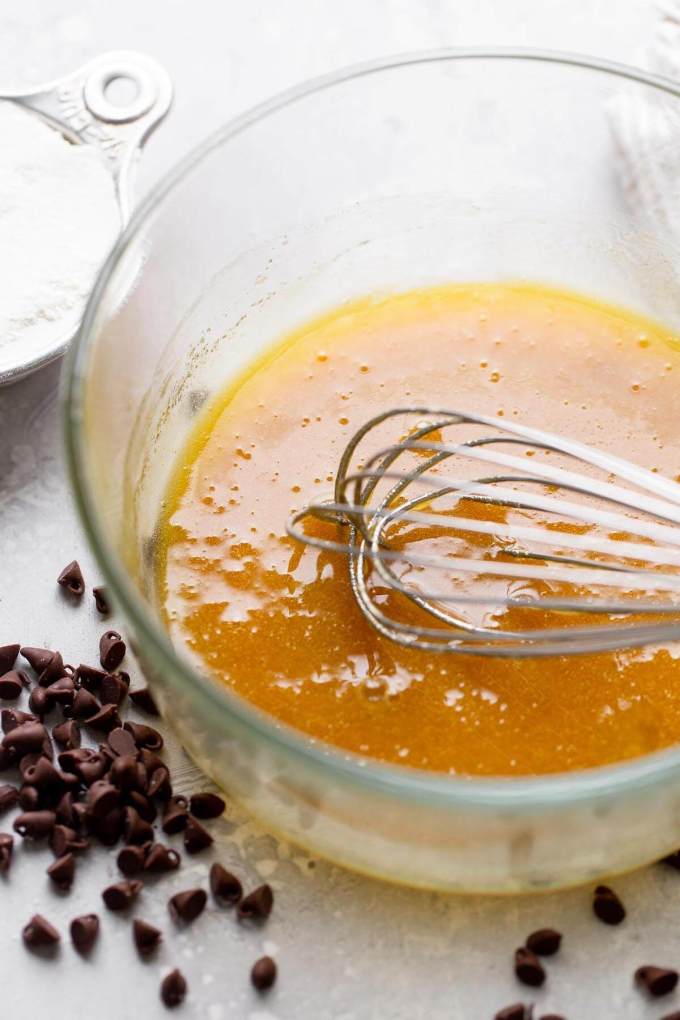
[(436, 789)]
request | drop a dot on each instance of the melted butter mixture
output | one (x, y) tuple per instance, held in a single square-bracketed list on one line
[(277, 622)]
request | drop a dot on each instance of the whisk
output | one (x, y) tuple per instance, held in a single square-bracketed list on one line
[(469, 534)]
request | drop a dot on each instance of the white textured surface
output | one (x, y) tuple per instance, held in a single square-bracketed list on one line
[(348, 948)]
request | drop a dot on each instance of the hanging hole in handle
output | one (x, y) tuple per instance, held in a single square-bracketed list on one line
[(120, 94)]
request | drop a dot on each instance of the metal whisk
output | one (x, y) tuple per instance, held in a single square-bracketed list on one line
[(474, 535)]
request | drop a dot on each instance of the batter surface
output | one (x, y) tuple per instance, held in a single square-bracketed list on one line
[(277, 622)]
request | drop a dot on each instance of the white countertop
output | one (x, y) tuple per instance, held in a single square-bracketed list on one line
[(348, 948)]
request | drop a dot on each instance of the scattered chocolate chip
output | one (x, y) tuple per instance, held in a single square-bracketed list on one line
[(144, 700), (196, 838), (39, 933), (518, 1011), (186, 906), (37, 658), (173, 989), (43, 775), (607, 906), (159, 784), (135, 829), (108, 829), (257, 905), (61, 692), (151, 760), (8, 656), (71, 578), (206, 805), (224, 886), (84, 706), (65, 812), (120, 895), (160, 859), (143, 805), (84, 932), (9, 797), (127, 773), (121, 742), (528, 968), (145, 936), (62, 871), (12, 684), (102, 798), (145, 736), (113, 689), (89, 677), (27, 737), (66, 734), (6, 848), (8, 758), (657, 980), (35, 824), (29, 798), (263, 973), (131, 859), (106, 719), (13, 717), (52, 669), (111, 650), (38, 702), (101, 600), (175, 816)]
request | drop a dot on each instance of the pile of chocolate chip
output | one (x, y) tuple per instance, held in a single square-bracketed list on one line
[(74, 797)]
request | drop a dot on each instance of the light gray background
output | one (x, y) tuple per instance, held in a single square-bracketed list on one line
[(347, 947)]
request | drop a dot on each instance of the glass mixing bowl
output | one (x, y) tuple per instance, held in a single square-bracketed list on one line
[(445, 166)]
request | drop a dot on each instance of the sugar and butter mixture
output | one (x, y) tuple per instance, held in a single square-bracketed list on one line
[(277, 622)]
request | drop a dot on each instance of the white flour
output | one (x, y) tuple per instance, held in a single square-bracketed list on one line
[(58, 218)]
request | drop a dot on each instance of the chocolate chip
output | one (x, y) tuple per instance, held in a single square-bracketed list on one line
[(518, 1011), (142, 804), (144, 700), (43, 775), (127, 773), (65, 811), (159, 784), (106, 719), (9, 797), (102, 798), (38, 702), (89, 677), (39, 933), (196, 838), (71, 578), (206, 805), (108, 829), (257, 905), (27, 737), (173, 989), (175, 816), (146, 937), (37, 658), (14, 717), (29, 798), (65, 839), (657, 980), (67, 734), (8, 656), (84, 932), (101, 600), (160, 859), (52, 667), (131, 859), (151, 760), (6, 848), (224, 886), (263, 973), (113, 689), (12, 684), (528, 968), (35, 824), (607, 906), (186, 906), (145, 736), (671, 1016), (84, 706), (62, 871), (120, 895), (121, 742), (135, 829), (111, 650), (61, 692)]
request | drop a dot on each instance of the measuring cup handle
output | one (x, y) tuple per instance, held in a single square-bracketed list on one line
[(78, 105)]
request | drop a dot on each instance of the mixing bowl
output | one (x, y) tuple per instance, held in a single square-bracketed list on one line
[(445, 166)]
